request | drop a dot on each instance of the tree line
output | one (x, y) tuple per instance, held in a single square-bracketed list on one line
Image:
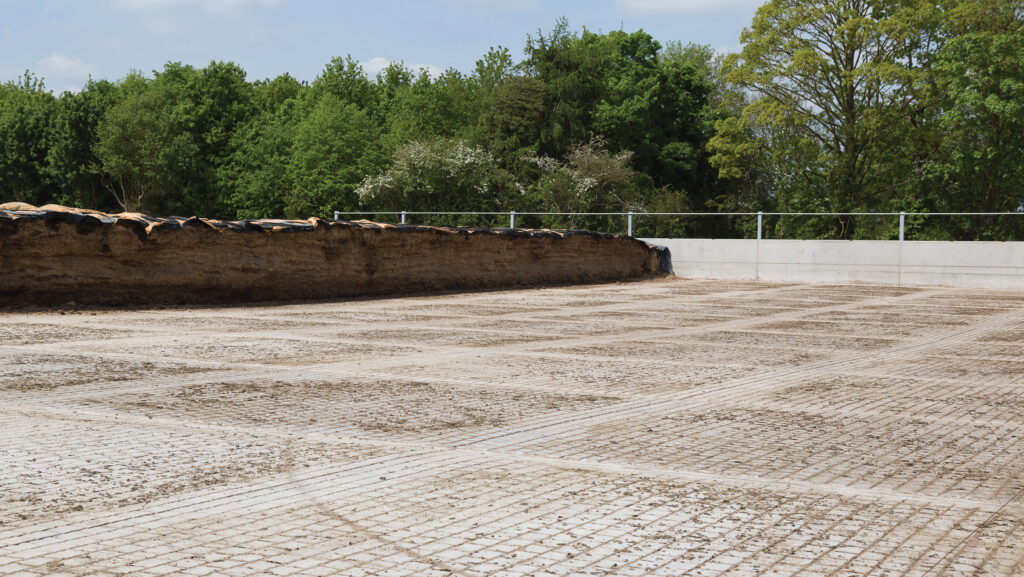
[(830, 106)]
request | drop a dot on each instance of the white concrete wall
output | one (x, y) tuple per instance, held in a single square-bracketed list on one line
[(998, 265)]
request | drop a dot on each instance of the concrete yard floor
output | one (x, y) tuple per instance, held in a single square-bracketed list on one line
[(665, 427)]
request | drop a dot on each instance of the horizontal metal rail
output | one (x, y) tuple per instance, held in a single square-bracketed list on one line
[(630, 215), (495, 213)]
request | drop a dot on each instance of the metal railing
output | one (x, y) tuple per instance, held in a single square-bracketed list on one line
[(404, 216)]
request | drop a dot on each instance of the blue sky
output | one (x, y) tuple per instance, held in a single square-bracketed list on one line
[(67, 41)]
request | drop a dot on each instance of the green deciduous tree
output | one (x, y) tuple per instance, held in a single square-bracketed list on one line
[(979, 73), (709, 64), (655, 112), (346, 80), (512, 117), (834, 75), (258, 174), (271, 95), (143, 154), (72, 163), (208, 104), (336, 145), (429, 109), (27, 112), (618, 86)]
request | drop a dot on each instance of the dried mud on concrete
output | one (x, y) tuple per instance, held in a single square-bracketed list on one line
[(666, 428)]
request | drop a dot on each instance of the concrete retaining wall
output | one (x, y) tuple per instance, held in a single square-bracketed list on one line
[(998, 265)]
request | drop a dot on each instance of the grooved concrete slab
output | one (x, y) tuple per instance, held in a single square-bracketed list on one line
[(661, 428)]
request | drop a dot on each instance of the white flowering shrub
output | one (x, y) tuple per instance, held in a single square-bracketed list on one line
[(591, 179), (443, 175)]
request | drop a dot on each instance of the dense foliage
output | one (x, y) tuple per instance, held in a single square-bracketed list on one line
[(830, 105)]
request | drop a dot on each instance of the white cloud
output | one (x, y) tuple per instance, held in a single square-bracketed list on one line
[(60, 64), (212, 6), (685, 7), (375, 65), (63, 72)]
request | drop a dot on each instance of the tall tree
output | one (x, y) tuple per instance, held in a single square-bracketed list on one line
[(72, 163), (980, 74), (258, 174), (143, 153), (335, 147), (835, 72), (617, 87), (512, 117), (430, 109), (27, 112), (573, 71), (208, 104), (346, 80), (709, 64), (393, 80), (271, 95), (655, 110)]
